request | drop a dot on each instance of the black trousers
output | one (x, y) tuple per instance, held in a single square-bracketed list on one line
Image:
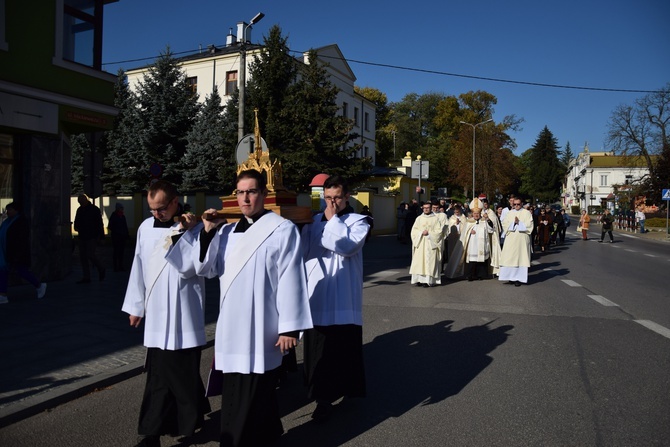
[(602, 235), (249, 410), (174, 396), (334, 362)]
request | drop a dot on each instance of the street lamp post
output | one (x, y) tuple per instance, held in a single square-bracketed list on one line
[(474, 128), (243, 66)]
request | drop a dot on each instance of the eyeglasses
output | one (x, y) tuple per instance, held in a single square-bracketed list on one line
[(250, 192), (517, 204), (160, 210), (333, 198)]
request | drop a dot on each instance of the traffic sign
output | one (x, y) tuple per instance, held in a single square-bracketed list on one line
[(666, 194)]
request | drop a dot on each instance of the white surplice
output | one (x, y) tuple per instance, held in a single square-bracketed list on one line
[(263, 291), (333, 253), (172, 303)]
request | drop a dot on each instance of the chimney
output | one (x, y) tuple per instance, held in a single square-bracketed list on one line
[(240, 32), (230, 39)]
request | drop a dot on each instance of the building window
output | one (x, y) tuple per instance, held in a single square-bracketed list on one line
[(345, 110), (82, 32), (231, 82), (192, 84), (356, 116), (365, 151), (366, 116), (603, 180)]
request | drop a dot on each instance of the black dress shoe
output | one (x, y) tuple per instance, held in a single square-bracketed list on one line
[(517, 284), (322, 412), (149, 441)]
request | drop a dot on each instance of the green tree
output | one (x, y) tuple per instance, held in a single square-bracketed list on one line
[(320, 142), (229, 126), (494, 160), (168, 108), (206, 154), (566, 157), (642, 131), (543, 172), (271, 75), (125, 169), (78, 146)]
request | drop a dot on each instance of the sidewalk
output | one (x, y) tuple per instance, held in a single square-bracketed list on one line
[(76, 339)]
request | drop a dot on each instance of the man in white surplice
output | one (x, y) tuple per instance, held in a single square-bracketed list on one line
[(333, 252), (515, 257), (172, 306), (263, 307), (427, 235)]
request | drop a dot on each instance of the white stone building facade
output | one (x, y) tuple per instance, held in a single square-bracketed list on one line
[(220, 67), (592, 177)]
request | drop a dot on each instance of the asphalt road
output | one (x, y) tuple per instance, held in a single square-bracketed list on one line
[(580, 357)]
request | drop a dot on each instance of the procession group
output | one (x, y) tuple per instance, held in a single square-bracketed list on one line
[(278, 283), (474, 241)]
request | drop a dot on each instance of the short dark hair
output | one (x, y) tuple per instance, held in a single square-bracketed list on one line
[(336, 181), (253, 174), (15, 206), (163, 185)]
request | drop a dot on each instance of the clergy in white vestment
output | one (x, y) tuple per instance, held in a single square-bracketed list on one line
[(427, 235), (494, 241), (471, 256), (172, 307), (333, 253), (263, 307), (455, 226), (444, 222), (515, 257)]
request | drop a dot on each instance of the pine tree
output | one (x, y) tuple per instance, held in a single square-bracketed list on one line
[(206, 152), (566, 157), (168, 108), (318, 138), (126, 170), (543, 171), (78, 146), (271, 73), (229, 123)]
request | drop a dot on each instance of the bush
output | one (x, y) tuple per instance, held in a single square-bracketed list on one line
[(656, 222)]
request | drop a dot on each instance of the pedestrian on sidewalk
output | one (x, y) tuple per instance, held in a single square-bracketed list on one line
[(640, 218), (15, 251), (118, 229), (607, 222), (88, 223), (333, 252), (584, 221), (172, 306)]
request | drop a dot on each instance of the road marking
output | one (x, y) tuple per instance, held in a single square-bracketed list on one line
[(602, 300), (627, 235), (655, 327), (632, 251), (651, 256), (571, 283), (535, 262), (615, 246)]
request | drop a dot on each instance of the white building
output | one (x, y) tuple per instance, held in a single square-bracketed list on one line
[(220, 67), (592, 177)]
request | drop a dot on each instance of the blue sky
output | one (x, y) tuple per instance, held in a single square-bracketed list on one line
[(615, 44)]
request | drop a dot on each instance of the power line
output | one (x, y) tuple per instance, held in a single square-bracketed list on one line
[(436, 72)]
